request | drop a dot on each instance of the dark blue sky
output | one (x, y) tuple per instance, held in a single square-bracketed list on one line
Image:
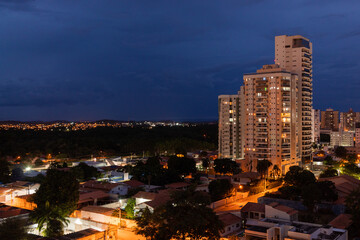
[(162, 59)]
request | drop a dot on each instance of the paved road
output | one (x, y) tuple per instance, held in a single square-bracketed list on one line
[(236, 206)]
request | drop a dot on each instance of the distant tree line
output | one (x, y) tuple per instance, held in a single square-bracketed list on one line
[(107, 141)]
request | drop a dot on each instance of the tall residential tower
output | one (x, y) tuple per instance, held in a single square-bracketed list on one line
[(294, 53), (230, 130), (270, 117)]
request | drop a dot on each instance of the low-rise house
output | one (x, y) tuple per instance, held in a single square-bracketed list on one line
[(344, 185), (244, 178), (276, 210), (232, 224), (8, 192), (7, 212), (270, 228), (161, 198), (92, 197), (253, 211), (99, 214), (143, 196), (120, 188), (342, 221)]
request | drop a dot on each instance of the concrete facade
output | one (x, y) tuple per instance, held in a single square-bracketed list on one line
[(230, 129), (294, 53), (330, 120), (270, 115), (315, 126)]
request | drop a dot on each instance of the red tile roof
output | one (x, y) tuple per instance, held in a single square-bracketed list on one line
[(145, 195), (344, 184), (283, 208), (134, 183), (342, 221), (90, 196), (254, 207), (229, 219)]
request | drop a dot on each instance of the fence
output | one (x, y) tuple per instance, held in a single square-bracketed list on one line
[(228, 200)]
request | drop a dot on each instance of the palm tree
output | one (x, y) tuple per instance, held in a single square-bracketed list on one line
[(51, 218), (262, 167)]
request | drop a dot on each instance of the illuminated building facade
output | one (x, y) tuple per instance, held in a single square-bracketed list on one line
[(270, 117), (294, 53)]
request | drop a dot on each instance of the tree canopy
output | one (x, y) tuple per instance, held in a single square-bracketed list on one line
[(185, 216), (84, 172), (330, 172), (219, 189), (263, 166), (341, 152), (13, 228), (56, 199), (226, 165), (181, 165), (4, 171), (353, 206), (296, 176)]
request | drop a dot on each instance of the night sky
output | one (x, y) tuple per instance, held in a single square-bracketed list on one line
[(163, 59)]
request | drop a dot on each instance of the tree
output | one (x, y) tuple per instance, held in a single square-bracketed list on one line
[(225, 166), (276, 171), (56, 199), (186, 215), (84, 172), (219, 189), (340, 152), (328, 191), (17, 174), (330, 172), (181, 165), (353, 206), (311, 194), (296, 176), (351, 169), (129, 209), (351, 158), (262, 167), (205, 162), (4, 171), (328, 160), (11, 229)]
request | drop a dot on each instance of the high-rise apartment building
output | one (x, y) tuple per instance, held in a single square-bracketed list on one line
[(348, 120), (294, 53), (330, 120), (270, 117), (315, 126), (230, 131)]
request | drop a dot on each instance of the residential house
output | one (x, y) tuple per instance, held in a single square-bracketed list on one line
[(253, 211), (232, 224), (244, 178), (342, 221), (280, 229), (276, 210)]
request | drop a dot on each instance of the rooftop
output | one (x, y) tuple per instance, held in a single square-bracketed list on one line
[(253, 207), (229, 219), (99, 210), (343, 221)]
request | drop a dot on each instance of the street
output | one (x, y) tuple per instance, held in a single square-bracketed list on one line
[(235, 206)]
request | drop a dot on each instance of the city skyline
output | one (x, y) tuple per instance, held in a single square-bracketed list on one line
[(134, 60)]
